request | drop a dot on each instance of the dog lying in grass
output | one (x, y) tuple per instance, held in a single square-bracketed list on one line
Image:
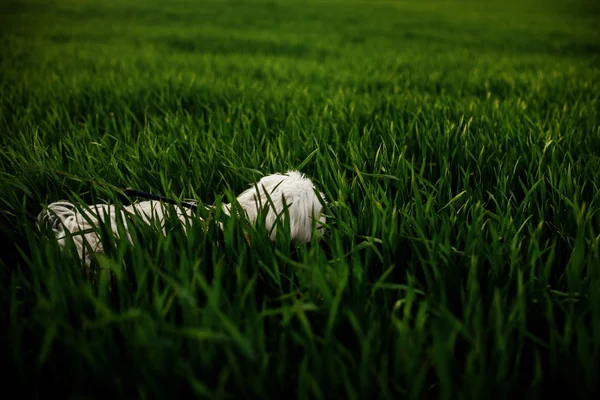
[(268, 198)]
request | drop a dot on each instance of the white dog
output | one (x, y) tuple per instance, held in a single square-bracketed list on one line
[(268, 198)]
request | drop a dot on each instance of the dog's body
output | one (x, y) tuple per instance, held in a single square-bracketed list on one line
[(275, 192)]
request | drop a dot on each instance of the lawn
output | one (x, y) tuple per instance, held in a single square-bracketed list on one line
[(458, 145)]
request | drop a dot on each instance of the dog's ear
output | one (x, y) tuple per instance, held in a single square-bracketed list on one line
[(270, 182)]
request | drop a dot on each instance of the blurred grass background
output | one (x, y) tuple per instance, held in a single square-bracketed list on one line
[(459, 145)]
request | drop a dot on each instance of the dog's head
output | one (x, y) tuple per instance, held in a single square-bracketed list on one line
[(292, 190)]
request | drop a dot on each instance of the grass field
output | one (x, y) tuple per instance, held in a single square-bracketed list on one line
[(458, 144)]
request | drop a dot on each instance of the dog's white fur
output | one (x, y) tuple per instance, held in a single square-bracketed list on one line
[(276, 192), (269, 198)]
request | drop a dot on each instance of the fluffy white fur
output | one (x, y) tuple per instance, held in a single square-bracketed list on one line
[(276, 192), (269, 196)]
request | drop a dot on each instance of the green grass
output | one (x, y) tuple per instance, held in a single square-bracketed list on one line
[(457, 141)]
